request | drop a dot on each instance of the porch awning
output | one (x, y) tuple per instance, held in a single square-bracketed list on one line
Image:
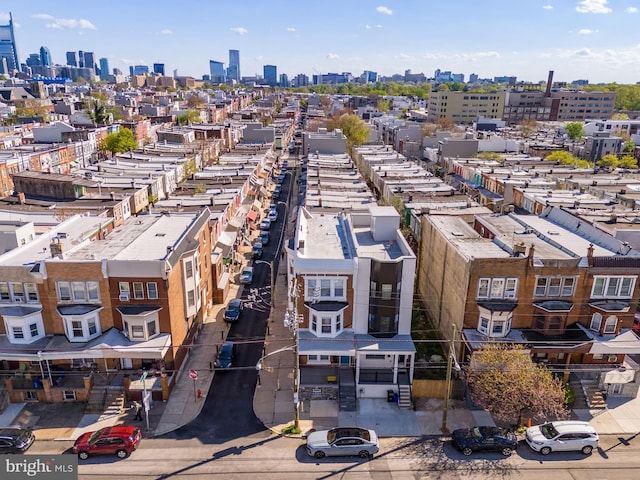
[(620, 376), (399, 343), (625, 343), (310, 344), (252, 215)]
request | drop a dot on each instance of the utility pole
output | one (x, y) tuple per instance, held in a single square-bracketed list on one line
[(447, 392), (294, 323)]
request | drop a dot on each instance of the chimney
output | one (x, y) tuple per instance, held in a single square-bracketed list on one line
[(590, 253), (532, 250), (547, 92), (57, 248)]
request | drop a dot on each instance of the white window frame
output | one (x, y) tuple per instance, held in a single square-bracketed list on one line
[(59, 287), (137, 327), (151, 296), (564, 286), (497, 288), (321, 320), (596, 322), (86, 322), (24, 325), (315, 291), (613, 286), (138, 290), (610, 324)]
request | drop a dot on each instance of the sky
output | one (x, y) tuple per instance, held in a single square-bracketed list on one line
[(596, 40)]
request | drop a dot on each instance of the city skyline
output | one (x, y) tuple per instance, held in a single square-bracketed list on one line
[(587, 39)]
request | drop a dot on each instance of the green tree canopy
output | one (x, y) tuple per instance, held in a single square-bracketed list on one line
[(353, 127), (119, 142), (192, 116), (608, 161), (504, 380), (628, 161), (574, 130), (564, 157)]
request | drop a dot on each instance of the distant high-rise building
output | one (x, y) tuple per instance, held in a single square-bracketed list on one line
[(131, 70), (81, 59), (104, 69), (89, 60), (72, 59), (300, 80), (284, 80), (158, 68), (217, 71), (33, 60), (233, 72), (45, 57), (371, 77), (8, 51), (270, 73), (140, 69)]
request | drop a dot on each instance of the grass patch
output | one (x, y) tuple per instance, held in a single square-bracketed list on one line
[(291, 430)]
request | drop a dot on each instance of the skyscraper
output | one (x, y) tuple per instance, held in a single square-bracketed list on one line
[(72, 59), (104, 69), (233, 72), (217, 71), (270, 74), (89, 61), (45, 57), (81, 59), (8, 51), (158, 68)]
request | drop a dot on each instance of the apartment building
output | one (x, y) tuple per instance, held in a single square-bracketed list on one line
[(554, 283), (351, 278), (465, 107)]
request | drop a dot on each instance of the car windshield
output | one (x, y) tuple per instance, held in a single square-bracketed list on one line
[(548, 430), (95, 436), (476, 434)]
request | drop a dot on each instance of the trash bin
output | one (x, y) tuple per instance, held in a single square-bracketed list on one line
[(395, 398), (390, 394)]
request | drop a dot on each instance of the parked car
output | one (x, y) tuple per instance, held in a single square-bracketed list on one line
[(265, 224), (276, 193), (562, 436), (225, 355), (16, 440), (343, 441), (264, 237), (233, 310), (273, 215), (246, 275), (119, 440), (484, 439), (257, 250)]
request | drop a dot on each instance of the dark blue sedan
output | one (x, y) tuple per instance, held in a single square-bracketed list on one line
[(484, 439)]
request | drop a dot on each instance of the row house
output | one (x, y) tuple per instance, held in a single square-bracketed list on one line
[(81, 304), (552, 282), (351, 278)]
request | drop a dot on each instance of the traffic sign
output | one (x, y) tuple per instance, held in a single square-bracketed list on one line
[(193, 374)]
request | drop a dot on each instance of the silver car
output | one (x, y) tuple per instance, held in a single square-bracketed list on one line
[(343, 441), (563, 436)]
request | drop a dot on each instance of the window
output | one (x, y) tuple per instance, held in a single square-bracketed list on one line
[(385, 291), (32, 292), (338, 287), (484, 325), (138, 290), (596, 321), (191, 298), (554, 286), (137, 332), (76, 328), (18, 332), (152, 290), (497, 288), (326, 324), (151, 328), (18, 292), (33, 329), (610, 324), (188, 268), (324, 288), (77, 290), (123, 287), (4, 292), (64, 291), (608, 287), (92, 326), (483, 288), (69, 395), (31, 395), (93, 291), (314, 323)]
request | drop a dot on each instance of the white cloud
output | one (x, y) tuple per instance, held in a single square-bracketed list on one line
[(385, 10), (548, 7), (631, 10), (239, 30), (291, 29), (41, 16), (593, 6), (378, 26), (586, 31), (166, 31), (367, 26), (65, 23), (333, 56)]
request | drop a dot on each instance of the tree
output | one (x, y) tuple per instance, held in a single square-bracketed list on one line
[(98, 112), (562, 156), (608, 161), (353, 127), (628, 161), (503, 380), (528, 126), (384, 105), (192, 116), (119, 142), (574, 130), (446, 124)]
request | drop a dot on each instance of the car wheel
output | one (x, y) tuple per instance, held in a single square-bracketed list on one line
[(587, 449), (83, 455), (121, 454), (506, 451), (364, 454), (545, 450), (318, 455), (467, 451)]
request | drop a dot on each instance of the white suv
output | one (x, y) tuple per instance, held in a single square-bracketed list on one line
[(562, 436)]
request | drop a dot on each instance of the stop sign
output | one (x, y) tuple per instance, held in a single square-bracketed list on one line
[(193, 374)]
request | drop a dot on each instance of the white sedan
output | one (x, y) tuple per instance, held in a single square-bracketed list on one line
[(343, 441)]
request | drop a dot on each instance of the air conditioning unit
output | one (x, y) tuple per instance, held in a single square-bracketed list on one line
[(612, 358), (124, 297), (18, 299)]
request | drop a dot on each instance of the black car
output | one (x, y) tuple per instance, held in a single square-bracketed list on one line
[(484, 439), (15, 440)]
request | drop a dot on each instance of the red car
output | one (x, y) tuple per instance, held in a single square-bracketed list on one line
[(120, 440)]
